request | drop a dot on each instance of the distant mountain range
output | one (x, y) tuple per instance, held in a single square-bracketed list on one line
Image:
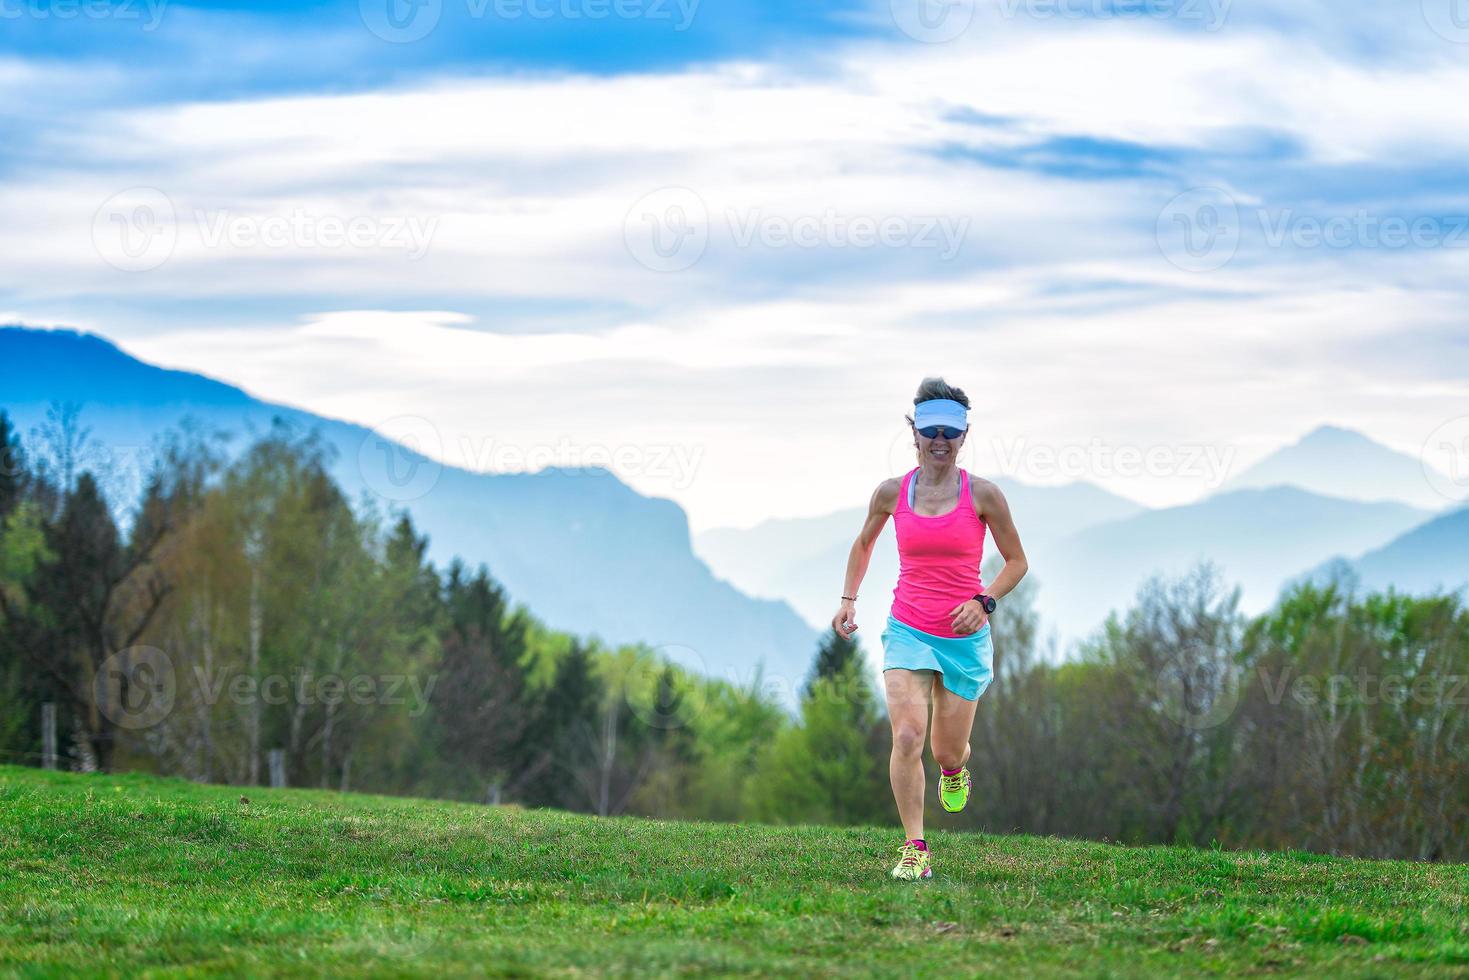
[(582, 550), (1258, 538), (1089, 550), (589, 555), (1432, 556), (1336, 462)]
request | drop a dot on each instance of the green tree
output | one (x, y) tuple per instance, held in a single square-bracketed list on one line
[(12, 468), (93, 598), (833, 658), (478, 713), (734, 727), (828, 768), (559, 736), (22, 551)]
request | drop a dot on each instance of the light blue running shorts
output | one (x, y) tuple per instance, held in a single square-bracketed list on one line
[(966, 663)]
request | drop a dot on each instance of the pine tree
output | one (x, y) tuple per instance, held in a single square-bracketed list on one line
[(479, 716), (560, 733), (66, 633), (11, 469), (21, 551), (835, 655)]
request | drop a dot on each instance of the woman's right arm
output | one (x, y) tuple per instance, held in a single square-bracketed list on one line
[(879, 509)]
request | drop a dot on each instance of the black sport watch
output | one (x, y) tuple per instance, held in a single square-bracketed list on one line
[(987, 602)]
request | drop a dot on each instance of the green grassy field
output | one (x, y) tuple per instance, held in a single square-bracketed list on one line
[(124, 874)]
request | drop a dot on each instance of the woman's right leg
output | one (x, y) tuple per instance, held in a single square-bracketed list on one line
[(908, 692)]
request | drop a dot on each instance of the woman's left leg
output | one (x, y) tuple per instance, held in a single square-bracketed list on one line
[(953, 720)]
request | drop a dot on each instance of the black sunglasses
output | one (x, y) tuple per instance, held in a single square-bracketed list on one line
[(929, 431)]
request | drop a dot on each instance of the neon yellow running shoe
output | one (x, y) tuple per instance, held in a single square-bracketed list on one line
[(912, 863), (954, 790)]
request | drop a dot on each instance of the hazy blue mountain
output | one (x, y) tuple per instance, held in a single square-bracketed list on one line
[(1260, 539), (581, 549), (803, 560), (749, 557), (1434, 556), (1338, 462)]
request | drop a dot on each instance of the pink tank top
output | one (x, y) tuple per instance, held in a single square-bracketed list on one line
[(938, 561)]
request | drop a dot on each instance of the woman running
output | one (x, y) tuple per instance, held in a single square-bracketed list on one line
[(936, 647)]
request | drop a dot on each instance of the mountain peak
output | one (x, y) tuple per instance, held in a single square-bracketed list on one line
[(590, 556), (39, 365), (1335, 435), (1339, 462)]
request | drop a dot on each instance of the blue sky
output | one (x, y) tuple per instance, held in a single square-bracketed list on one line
[(632, 223)]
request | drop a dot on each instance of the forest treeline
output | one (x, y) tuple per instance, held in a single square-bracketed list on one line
[(249, 623)]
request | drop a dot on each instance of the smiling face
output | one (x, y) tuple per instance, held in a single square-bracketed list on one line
[(938, 449)]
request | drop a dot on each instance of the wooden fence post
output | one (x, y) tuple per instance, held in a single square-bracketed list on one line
[(48, 735)]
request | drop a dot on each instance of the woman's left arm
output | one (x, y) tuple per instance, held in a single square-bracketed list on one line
[(992, 506)]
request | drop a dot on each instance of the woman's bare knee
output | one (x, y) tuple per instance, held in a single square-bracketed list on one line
[(907, 741), (949, 753)]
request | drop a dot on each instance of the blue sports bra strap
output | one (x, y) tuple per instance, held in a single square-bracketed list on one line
[(913, 479)]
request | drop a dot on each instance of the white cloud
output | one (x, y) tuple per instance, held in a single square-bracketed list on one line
[(788, 367), (795, 406)]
